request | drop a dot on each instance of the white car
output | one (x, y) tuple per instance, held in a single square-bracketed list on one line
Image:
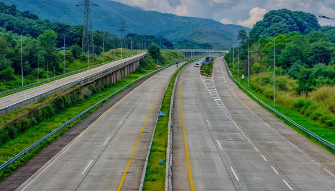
[(197, 64)]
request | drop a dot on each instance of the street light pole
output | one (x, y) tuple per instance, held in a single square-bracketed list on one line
[(274, 70), (233, 58), (64, 53), (22, 52), (238, 65), (248, 65), (274, 74)]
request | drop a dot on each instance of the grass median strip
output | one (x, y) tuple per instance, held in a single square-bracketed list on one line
[(156, 169)]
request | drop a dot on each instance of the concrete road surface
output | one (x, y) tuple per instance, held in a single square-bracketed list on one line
[(110, 154), (234, 144), (21, 96)]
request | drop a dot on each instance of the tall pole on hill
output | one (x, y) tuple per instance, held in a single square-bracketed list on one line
[(88, 42), (122, 28)]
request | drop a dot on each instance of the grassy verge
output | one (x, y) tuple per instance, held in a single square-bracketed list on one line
[(319, 129), (207, 70), (155, 175), (35, 133), (110, 56)]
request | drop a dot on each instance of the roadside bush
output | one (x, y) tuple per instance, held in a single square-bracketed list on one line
[(302, 103)]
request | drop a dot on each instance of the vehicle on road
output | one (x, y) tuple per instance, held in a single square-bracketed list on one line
[(197, 64)]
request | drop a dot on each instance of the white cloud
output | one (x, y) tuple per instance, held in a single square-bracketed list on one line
[(235, 10), (226, 21), (256, 14)]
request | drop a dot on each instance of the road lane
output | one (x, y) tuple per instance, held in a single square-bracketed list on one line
[(209, 172), (39, 90), (97, 159), (291, 156), (231, 148)]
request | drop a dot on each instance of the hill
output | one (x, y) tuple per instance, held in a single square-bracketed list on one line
[(284, 21), (108, 14)]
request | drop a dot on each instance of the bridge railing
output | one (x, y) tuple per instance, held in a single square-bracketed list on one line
[(80, 81), (60, 76)]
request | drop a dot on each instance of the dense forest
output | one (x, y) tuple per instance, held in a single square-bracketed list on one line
[(43, 46), (284, 21), (305, 62)]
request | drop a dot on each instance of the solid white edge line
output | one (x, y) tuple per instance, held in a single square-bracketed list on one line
[(287, 185), (274, 170), (264, 157), (219, 143), (87, 167), (255, 148), (234, 173), (329, 172), (106, 141)]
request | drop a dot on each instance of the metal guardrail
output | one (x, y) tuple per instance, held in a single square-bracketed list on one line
[(152, 138), (22, 153), (321, 140), (60, 76), (80, 81), (168, 175)]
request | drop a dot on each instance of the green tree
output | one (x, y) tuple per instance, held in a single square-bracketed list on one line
[(48, 40), (305, 81), (242, 36), (154, 51)]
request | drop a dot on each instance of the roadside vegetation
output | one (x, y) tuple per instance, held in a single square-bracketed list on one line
[(43, 47), (305, 68), (156, 169), (207, 69), (40, 119)]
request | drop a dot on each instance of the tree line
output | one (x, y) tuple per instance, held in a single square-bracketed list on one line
[(304, 50), (43, 43)]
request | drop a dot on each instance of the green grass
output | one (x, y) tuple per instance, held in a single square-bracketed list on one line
[(155, 175), (208, 69), (319, 129), (35, 133), (12, 115)]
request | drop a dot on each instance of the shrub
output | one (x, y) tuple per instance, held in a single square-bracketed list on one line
[(302, 103)]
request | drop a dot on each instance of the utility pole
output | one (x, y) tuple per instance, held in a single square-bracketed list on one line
[(122, 28), (22, 53), (274, 70), (248, 66), (233, 59), (238, 65), (38, 65), (64, 48)]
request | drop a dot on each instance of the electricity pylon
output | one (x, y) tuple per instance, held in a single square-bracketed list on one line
[(88, 42)]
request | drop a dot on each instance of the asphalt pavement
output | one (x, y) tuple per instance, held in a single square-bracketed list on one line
[(111, 153), (35, 92), (234, 144)]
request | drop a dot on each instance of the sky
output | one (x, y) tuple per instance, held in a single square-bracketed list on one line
[(241, 12)]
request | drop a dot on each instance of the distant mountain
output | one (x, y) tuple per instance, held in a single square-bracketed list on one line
[(109, 13)]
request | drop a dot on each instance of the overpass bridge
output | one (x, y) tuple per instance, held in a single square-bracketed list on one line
[(189, 53), (109, 72)]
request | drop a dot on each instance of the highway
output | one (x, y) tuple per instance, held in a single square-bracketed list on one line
[(110, 154), (35, 92), (223, 140)]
